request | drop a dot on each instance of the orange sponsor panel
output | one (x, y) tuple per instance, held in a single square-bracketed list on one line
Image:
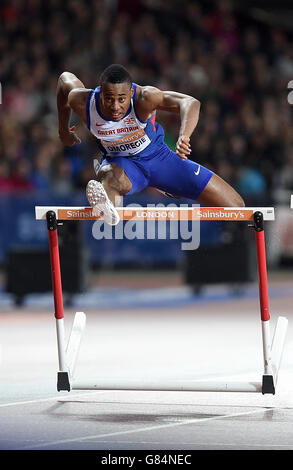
[(76, 214), (220, 213), (186, 214), (153, 214), (160, 213)]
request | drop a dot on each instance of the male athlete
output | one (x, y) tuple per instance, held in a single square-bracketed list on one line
[(122, 115)]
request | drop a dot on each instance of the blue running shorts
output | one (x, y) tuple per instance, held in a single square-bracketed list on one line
[(164, 170)]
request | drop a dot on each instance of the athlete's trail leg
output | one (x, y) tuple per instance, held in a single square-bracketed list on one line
[(218, 193)]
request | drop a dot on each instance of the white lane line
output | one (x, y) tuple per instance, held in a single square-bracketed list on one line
[(145, 429), (40, 400)]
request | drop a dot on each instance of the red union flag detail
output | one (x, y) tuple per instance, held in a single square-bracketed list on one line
[(129, 120)]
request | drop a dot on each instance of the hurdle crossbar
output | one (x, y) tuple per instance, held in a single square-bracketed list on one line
[(272, 350), (236, 214)]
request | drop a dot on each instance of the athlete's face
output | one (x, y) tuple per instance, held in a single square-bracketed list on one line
[(115, 99)]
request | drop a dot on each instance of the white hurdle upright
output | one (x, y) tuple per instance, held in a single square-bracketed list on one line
[(272, 349)]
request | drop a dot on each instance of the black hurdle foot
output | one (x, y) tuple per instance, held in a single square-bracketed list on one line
[(63, 381)]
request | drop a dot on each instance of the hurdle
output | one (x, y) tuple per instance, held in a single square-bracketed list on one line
[(68, 354)]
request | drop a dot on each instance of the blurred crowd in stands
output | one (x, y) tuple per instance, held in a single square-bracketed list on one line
[(238, 68)]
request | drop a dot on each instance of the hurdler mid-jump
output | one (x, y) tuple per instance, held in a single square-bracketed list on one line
[(122, 116)]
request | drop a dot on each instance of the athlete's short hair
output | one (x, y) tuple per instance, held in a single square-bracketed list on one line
[(115, 73)]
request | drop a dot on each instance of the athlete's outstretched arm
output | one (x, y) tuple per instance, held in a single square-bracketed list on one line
[(186, 106), (67, 82)]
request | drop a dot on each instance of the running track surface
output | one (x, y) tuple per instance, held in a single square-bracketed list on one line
[(218, 337)]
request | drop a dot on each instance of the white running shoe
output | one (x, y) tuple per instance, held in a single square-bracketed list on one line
[(100, 202)]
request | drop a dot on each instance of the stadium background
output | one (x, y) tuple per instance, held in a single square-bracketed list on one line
[(237, 60)]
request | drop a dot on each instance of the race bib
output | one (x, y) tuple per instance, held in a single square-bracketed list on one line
[(129, 145)]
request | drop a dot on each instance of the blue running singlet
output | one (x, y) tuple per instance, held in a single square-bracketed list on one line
[(139, 148)]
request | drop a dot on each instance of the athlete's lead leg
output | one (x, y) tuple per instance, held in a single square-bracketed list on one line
[(105, 194), (100, 202)]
